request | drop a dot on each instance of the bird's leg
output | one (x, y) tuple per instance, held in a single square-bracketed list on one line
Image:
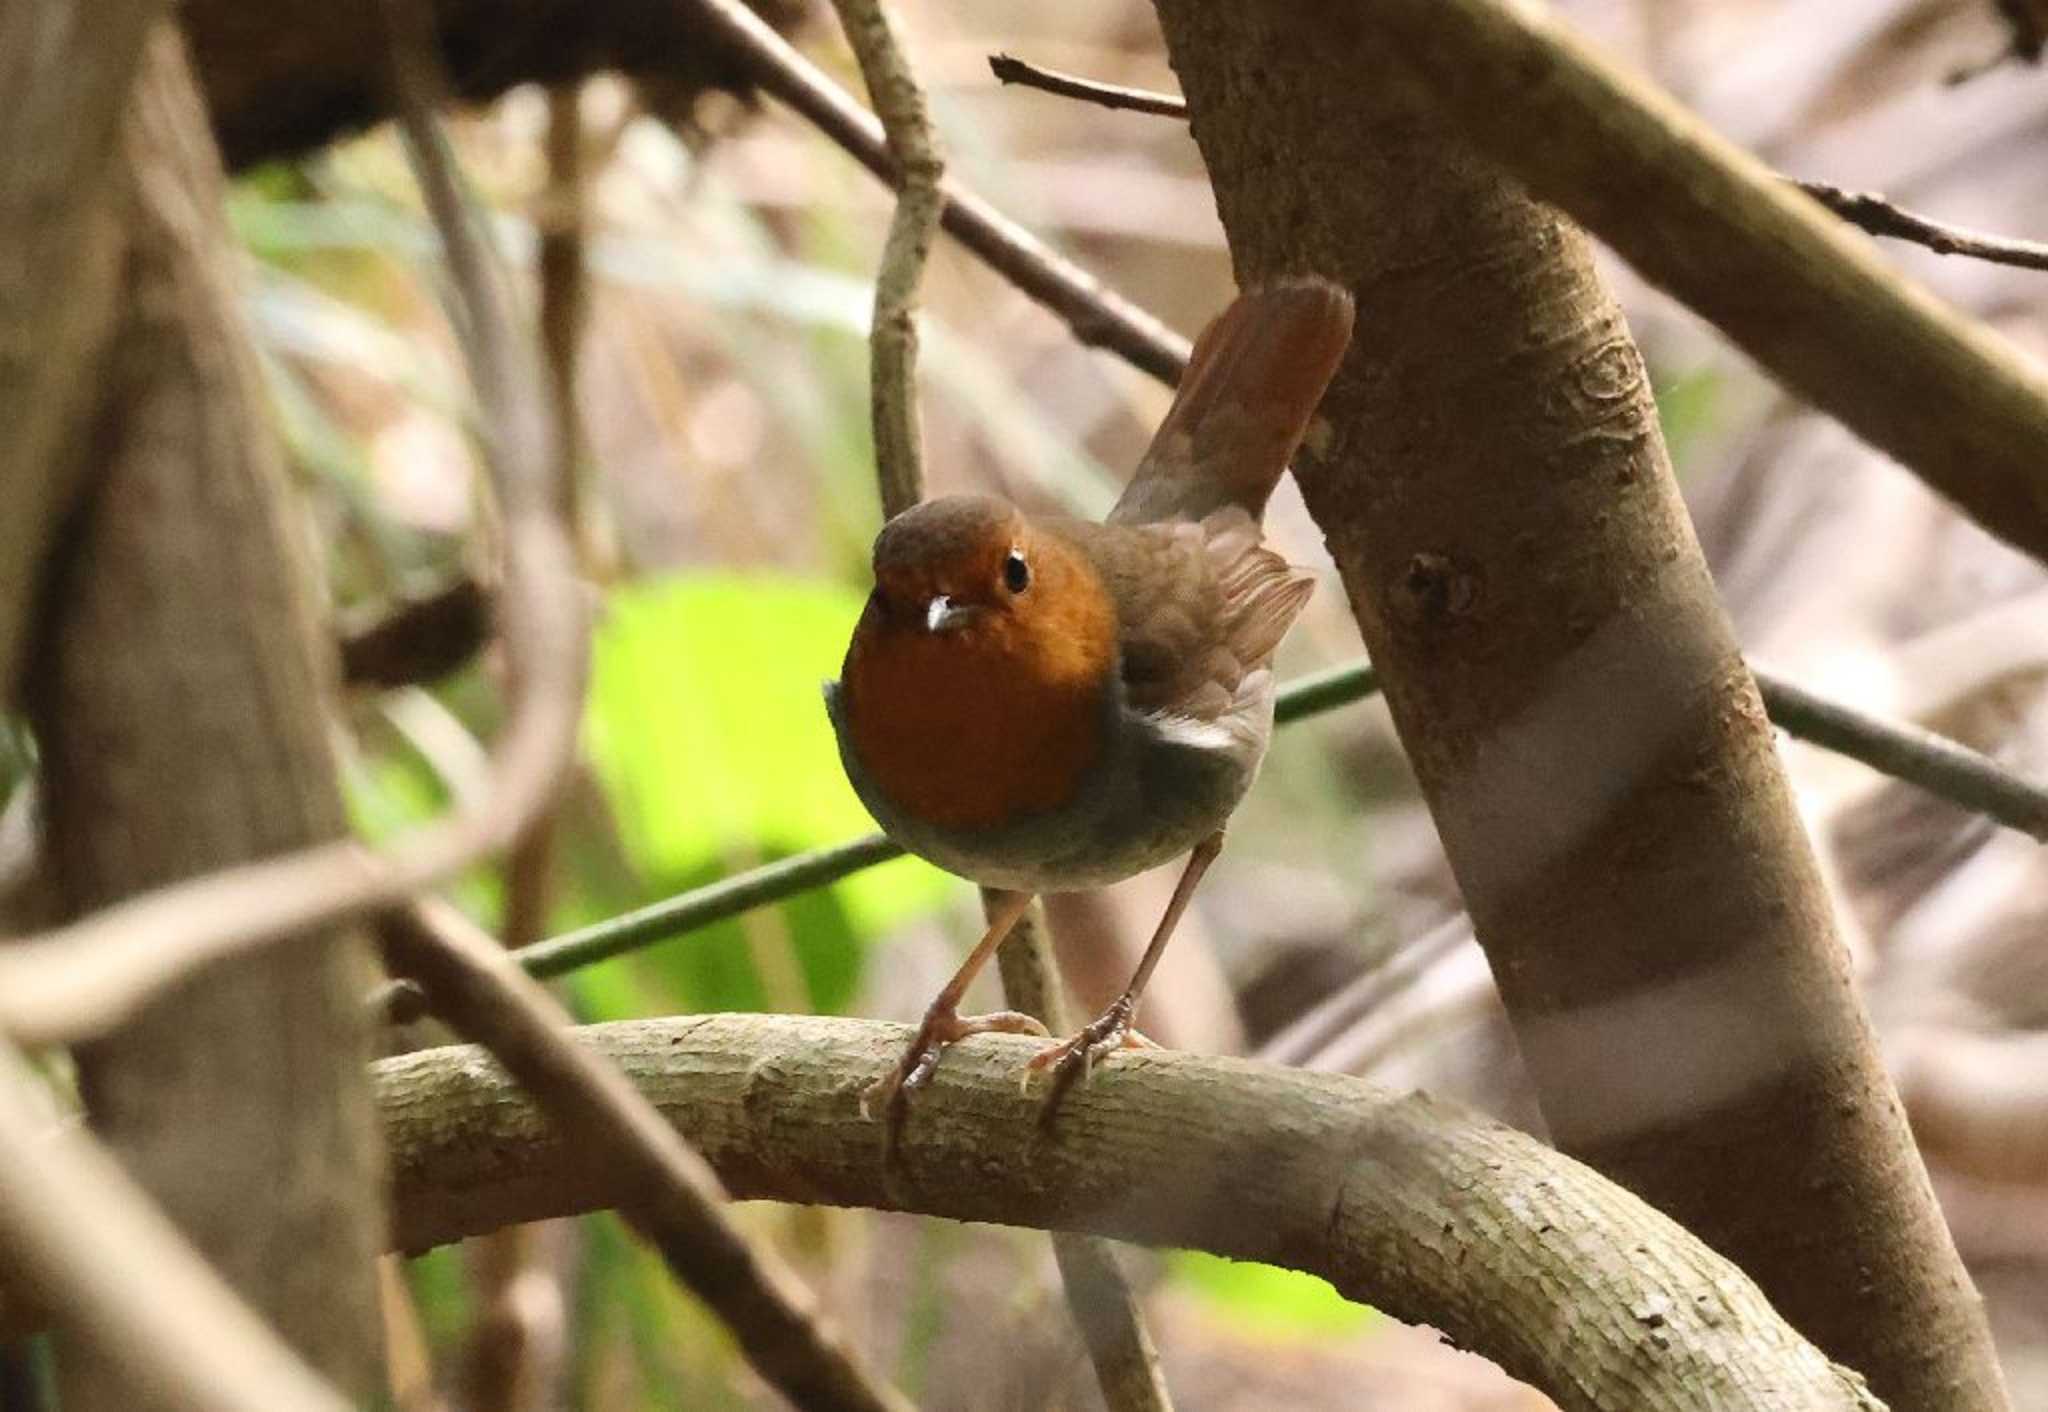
[(1075, 1058), (943, 1022)]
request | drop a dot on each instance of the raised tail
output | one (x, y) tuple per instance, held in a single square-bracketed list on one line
[(1244, 404)]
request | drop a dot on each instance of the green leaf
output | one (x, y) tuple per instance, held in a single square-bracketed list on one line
[(1270, 1299), (708, 733)]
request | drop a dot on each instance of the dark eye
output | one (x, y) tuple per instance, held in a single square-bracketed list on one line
[(1016, 573)]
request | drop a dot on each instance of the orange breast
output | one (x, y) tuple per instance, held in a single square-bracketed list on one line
[(976, 730)]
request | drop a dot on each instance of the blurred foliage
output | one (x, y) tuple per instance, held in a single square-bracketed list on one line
[(1268, 1300), (706, 728)]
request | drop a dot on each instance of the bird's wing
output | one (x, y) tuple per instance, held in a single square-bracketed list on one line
[(1200, 607), (1244, 404)]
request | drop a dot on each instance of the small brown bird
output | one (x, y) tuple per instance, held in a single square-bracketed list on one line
[(1045, 705)]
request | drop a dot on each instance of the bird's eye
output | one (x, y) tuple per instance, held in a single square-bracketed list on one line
[(1016, 573)]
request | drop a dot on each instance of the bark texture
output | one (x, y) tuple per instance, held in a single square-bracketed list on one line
[(176, 702), (64, 85), (1398, 1200), (1497, 495)]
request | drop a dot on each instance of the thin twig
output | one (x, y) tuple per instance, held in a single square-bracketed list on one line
[(84, 978), (715, 902), (1008, 68), (914, 157), (1932, 762), (104, 1261), (1870, 212), (1099, 1295), (529, 868), (669, 1194), (1097, 315), (564, 285), (1865, 210)]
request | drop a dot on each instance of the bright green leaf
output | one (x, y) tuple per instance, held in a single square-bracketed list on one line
[(707, 730)]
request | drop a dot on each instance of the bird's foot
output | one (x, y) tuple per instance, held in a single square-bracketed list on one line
[(890, 1094), (1073, 1060)]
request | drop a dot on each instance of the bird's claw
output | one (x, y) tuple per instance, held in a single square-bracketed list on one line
[(1074, 1059), (890, 1094)]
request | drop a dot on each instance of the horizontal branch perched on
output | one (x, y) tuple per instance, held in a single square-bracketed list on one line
[(1429, 1213)]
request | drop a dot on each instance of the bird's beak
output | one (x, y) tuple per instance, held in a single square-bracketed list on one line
[(942, 614)]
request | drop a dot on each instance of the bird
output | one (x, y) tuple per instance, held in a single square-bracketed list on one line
[(1042, 704)]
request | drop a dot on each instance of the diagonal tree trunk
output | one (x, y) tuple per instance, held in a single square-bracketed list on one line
[(1499, 500), (176, 704)]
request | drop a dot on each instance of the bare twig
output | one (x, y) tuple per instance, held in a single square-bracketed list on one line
[(1935, 763), (84, 978), (1865, 210), (1008, 68), (1097, 315), (103, 1261), (918, 168), (664, 1188), (1099, 1295), (564, 292), (564, 286), (1872, 213), (1317, 1171)]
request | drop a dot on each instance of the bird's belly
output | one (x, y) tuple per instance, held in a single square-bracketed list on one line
[(1151, 798)]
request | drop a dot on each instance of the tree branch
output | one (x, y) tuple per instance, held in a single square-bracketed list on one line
[(1873, 214), (1866, 210), (1949, 399), (1407, 1203), (1099, 1296), (93, 1250), (65, 81), (1098, 316), (663, 1187), (918, 169), (1010, 69)]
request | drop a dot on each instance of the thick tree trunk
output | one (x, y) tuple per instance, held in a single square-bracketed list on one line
[(177, 707), (64, 85), (1499, 500)]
